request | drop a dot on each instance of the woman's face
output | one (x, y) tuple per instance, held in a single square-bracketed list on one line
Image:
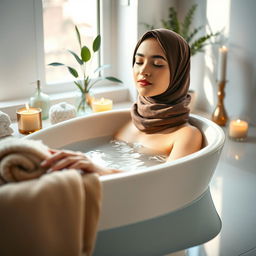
[(151, 71)]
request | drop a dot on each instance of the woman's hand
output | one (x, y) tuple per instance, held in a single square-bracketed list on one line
[(65, 159)]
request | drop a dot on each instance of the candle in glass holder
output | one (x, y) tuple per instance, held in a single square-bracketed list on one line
[(29, 119), (99, 105), (238, 129)]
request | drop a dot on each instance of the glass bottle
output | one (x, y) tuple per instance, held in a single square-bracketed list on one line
[(40, 100)]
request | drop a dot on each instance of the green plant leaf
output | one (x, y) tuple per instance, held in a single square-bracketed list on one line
[(55, 64), (85, 54), (76, 57), (79, 86), (193, 33), (173, 21), (94, 82), (101, 68), (96, 43), (200, 43), (73, 72), (187, 21), (113, 79), (78, 36)]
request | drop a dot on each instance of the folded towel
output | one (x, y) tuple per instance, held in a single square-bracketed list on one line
[(20, 159), (61, 112), (49, 216), (56, 214), (5, 122)]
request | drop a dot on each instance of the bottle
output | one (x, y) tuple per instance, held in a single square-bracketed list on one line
[(40, 100)]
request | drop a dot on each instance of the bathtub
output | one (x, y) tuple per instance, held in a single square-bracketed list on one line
[(155, 211)]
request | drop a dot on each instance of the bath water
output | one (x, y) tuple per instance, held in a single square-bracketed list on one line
[(117, 154)]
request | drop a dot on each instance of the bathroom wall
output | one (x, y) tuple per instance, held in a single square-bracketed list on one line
[(237, 19), (241, 88)]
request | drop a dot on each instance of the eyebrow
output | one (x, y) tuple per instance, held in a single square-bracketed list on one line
[(153, 56)]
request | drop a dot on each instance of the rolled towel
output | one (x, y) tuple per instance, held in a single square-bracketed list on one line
[(5, 122), (20, 159), (61, 112)]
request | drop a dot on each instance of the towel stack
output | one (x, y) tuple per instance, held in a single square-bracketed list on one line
[(5, 122)]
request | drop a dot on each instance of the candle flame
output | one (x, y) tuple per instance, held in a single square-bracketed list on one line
[(102, 100), (223, 48)]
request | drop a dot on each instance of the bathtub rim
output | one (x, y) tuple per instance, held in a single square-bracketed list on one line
[(209, 149)]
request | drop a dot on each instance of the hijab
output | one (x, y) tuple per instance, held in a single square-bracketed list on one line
[(170, 108)]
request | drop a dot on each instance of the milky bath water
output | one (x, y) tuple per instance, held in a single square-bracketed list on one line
[(117, 154)]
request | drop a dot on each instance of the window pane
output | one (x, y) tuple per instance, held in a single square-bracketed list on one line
[(60, 18)]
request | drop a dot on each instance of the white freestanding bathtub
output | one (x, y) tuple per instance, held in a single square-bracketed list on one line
[(155, 211)]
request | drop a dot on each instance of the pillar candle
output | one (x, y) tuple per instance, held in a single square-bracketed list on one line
[(238, 129), (99, 105), (222, 64), (29, 119)]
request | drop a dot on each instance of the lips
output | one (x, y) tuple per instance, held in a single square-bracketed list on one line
[(144, 82)]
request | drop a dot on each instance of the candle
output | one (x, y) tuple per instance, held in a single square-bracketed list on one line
[(99, 105), (238, 129), (222, 65), (29, 119)]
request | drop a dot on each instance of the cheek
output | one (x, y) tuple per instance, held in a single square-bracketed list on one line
[(135, 73), (165, 79)]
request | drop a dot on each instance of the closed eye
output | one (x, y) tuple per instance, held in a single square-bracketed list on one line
[(158, 65)]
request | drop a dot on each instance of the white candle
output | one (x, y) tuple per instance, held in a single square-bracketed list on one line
[(101, 105), (238, 129), (29, 119), (222, 64)]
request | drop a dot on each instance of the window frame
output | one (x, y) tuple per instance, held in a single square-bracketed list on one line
[(39, 60)]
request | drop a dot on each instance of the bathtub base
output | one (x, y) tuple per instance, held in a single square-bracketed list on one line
[(195, 224)]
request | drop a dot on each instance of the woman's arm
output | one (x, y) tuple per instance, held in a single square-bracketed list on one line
[(188, 140), (65, 159)]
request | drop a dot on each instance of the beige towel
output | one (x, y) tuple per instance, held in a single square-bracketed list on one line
[(55, 214), (20, 159), (50, 216)]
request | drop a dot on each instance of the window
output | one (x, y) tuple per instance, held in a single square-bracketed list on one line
[(59, 20)]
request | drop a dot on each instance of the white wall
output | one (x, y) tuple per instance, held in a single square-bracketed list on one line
[(18, 48), (241, 88), (238, 19)]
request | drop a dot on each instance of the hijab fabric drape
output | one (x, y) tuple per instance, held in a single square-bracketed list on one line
[(169, 109)]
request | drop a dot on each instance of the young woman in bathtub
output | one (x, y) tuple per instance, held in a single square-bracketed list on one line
[(161, 70)]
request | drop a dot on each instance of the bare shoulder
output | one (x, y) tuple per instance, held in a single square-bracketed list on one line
[(189, 132), (188, 139)]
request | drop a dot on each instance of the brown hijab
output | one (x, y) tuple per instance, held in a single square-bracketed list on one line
[(169, 109)]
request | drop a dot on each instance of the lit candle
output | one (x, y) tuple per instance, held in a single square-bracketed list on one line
[(238, 129), (222, 65), (102, 104), (29, 119)]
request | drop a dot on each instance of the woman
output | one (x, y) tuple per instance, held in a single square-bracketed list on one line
[(161, 67)]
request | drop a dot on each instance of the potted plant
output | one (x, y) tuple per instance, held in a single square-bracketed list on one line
[(85, 82), (183, 28)]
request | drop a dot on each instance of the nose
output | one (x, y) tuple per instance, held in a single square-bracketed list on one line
[(145, 70)]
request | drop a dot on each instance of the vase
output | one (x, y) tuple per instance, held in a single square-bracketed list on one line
[(84, 104)]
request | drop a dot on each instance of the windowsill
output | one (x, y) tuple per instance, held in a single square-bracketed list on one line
[(117, 93), (47, 123)]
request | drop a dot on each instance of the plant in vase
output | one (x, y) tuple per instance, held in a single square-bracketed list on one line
[(85, 82)]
